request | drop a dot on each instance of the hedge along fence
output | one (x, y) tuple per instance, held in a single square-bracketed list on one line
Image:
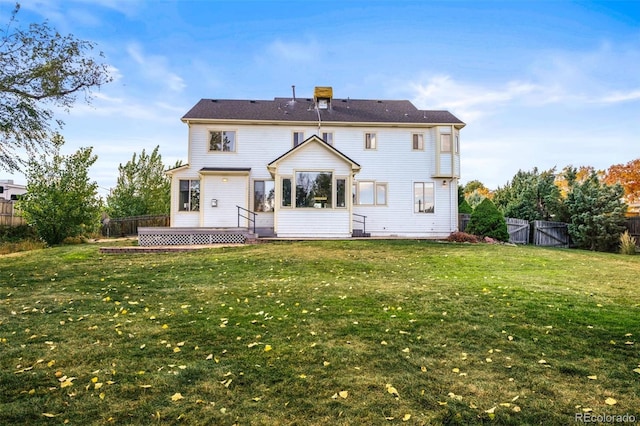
[(125, 226), (544, 233)]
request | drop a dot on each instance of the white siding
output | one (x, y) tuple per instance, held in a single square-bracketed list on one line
[(394, 162), (229, 192), (311, 222), (318, 223), (182, 219)]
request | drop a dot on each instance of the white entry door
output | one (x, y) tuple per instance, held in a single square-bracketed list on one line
[(220, 197)]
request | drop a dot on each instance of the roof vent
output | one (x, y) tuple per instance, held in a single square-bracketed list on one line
[(322, 96)]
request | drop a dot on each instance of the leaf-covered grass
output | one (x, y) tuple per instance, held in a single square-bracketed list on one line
[(332, 332)]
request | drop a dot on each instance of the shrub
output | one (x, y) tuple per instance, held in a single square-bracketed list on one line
[(487, 221), (465, 207), (627, 243), (462, 237), (14, 234)]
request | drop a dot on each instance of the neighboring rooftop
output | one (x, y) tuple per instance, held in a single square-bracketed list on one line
[(305, 110)]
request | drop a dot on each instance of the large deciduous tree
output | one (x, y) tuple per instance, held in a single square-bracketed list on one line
[(142, 187), (627, 175), (40, 70), (61, 201)]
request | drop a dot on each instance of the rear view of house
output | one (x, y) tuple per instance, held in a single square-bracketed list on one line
[(319, 167)]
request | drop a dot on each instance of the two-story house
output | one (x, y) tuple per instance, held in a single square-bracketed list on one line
[(319, 167)]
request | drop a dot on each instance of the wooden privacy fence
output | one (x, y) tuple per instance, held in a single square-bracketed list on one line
[(544, 233), (8, 214), (518, 230), (633, 226), (550, 234), (129, 225)]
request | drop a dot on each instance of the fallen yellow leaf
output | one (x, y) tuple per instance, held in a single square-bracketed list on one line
[(343, 394), (393, 391), (610, 401), (177, 396), (406, 417), (267, 348), (592, 377)]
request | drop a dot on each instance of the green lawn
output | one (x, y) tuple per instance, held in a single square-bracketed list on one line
[(326, 333)]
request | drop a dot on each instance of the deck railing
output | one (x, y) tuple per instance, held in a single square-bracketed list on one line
[(250, 216), (358, 218)]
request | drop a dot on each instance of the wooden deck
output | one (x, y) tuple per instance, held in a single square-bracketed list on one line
[(166, 236)]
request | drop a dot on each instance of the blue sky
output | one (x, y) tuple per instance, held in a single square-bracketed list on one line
[(539, 84)]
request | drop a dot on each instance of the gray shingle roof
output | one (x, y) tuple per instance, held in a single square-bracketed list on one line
[(303, 110)]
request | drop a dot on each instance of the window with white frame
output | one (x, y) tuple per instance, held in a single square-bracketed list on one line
[(417, 141), (370, 141), (189, 199), (298, 138), (457, 147), (341, 193), (423, 197), (264, 195), (314, 189), (445, 142), (328, 137), (222, 141), (381, 194), (286, 192), (369, 193)]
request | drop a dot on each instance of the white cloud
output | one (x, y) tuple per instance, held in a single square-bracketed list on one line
[(155, 68), (468, 100), (295, 51), (615, 97)]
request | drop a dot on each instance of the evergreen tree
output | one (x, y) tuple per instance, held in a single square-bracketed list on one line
[(465, 207), (531, 196), (487, 221), (597, 212)]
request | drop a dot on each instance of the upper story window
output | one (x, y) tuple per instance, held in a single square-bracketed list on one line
[(222, 141), (189, 200), (370, 141), (328, 137), (445, 142), (457, 147), (298, 138), (417, 142)]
